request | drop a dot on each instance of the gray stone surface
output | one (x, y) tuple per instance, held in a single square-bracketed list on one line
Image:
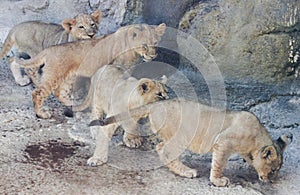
[(49, 156), (258, 40), (255, 44)]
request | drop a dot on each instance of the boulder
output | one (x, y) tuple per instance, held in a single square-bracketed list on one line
[(256, 40)]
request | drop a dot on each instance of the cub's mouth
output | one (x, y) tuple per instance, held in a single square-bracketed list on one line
[(148, 58), (89, 36)]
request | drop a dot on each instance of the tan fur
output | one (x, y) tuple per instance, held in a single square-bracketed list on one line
[(83, 58), (112, 92), (201, 129), (33, 36)]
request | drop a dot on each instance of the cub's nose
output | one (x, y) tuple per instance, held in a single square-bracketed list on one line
[(264, 179)]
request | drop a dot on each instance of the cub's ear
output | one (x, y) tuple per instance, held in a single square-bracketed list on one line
[(284, 140), (133, 33), (97, 16), (145, 86), (68, 23), (160, 29), (164, 79), (269, 153)]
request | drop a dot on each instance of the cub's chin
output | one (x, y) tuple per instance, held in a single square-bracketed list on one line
[(148, 58)]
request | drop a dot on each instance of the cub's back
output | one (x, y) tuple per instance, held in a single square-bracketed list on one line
[(105, 80), (38, 35)]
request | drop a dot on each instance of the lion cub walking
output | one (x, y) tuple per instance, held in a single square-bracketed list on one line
[(201, 129), (111, 92), (63, 63), (32, 37)]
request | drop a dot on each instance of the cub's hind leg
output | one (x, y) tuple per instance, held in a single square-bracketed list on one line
[(43, 91), (15, 68), (33, 74), (174, 165), (39, 95), (64, 91)]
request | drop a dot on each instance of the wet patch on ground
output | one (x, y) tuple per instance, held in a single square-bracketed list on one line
[(51, 154)]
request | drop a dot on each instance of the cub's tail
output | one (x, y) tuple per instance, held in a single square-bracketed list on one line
[(34, 62), (135, 114), (86, 103), (7, 45)]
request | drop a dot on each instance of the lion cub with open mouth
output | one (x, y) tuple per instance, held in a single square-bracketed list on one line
[(200, 128)]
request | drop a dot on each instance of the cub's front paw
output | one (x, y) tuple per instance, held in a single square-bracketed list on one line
[(23, 81), (180, 169), (95, 161), (132, 141), (44, 114), (220, 182), (189, 173)]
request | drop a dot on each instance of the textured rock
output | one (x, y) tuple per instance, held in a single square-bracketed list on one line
[(113, 13), (133, 14), (279, 112), (255, 39), (169, 11)]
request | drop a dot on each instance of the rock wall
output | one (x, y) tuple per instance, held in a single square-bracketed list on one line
[(258, 40)]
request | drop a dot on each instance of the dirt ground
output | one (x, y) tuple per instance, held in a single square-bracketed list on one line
[(49, 157)]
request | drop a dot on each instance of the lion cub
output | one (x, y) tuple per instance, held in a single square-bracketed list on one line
[(65, 62), (32, 37), (111, 92), (201, 129)]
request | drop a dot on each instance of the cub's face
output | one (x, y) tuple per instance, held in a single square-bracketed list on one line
[(83, 26), (152, 90), (270, 159), (144, 39), (267, 166)]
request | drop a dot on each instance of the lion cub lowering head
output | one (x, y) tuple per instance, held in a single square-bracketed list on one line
[(63, 63), (201, 129), (111, 92), (32, 37)]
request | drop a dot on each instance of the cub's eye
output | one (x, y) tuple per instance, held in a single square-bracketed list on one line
[(145, 46), (155, 43), (273, 171), (134, 35), (93, 25), (81, 27)]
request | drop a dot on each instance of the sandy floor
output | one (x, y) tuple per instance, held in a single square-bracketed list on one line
[(49, 157)]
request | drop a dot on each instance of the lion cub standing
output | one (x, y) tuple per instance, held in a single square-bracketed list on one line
[(111, 92), (34, 36), (65, 62), (201, 129)]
